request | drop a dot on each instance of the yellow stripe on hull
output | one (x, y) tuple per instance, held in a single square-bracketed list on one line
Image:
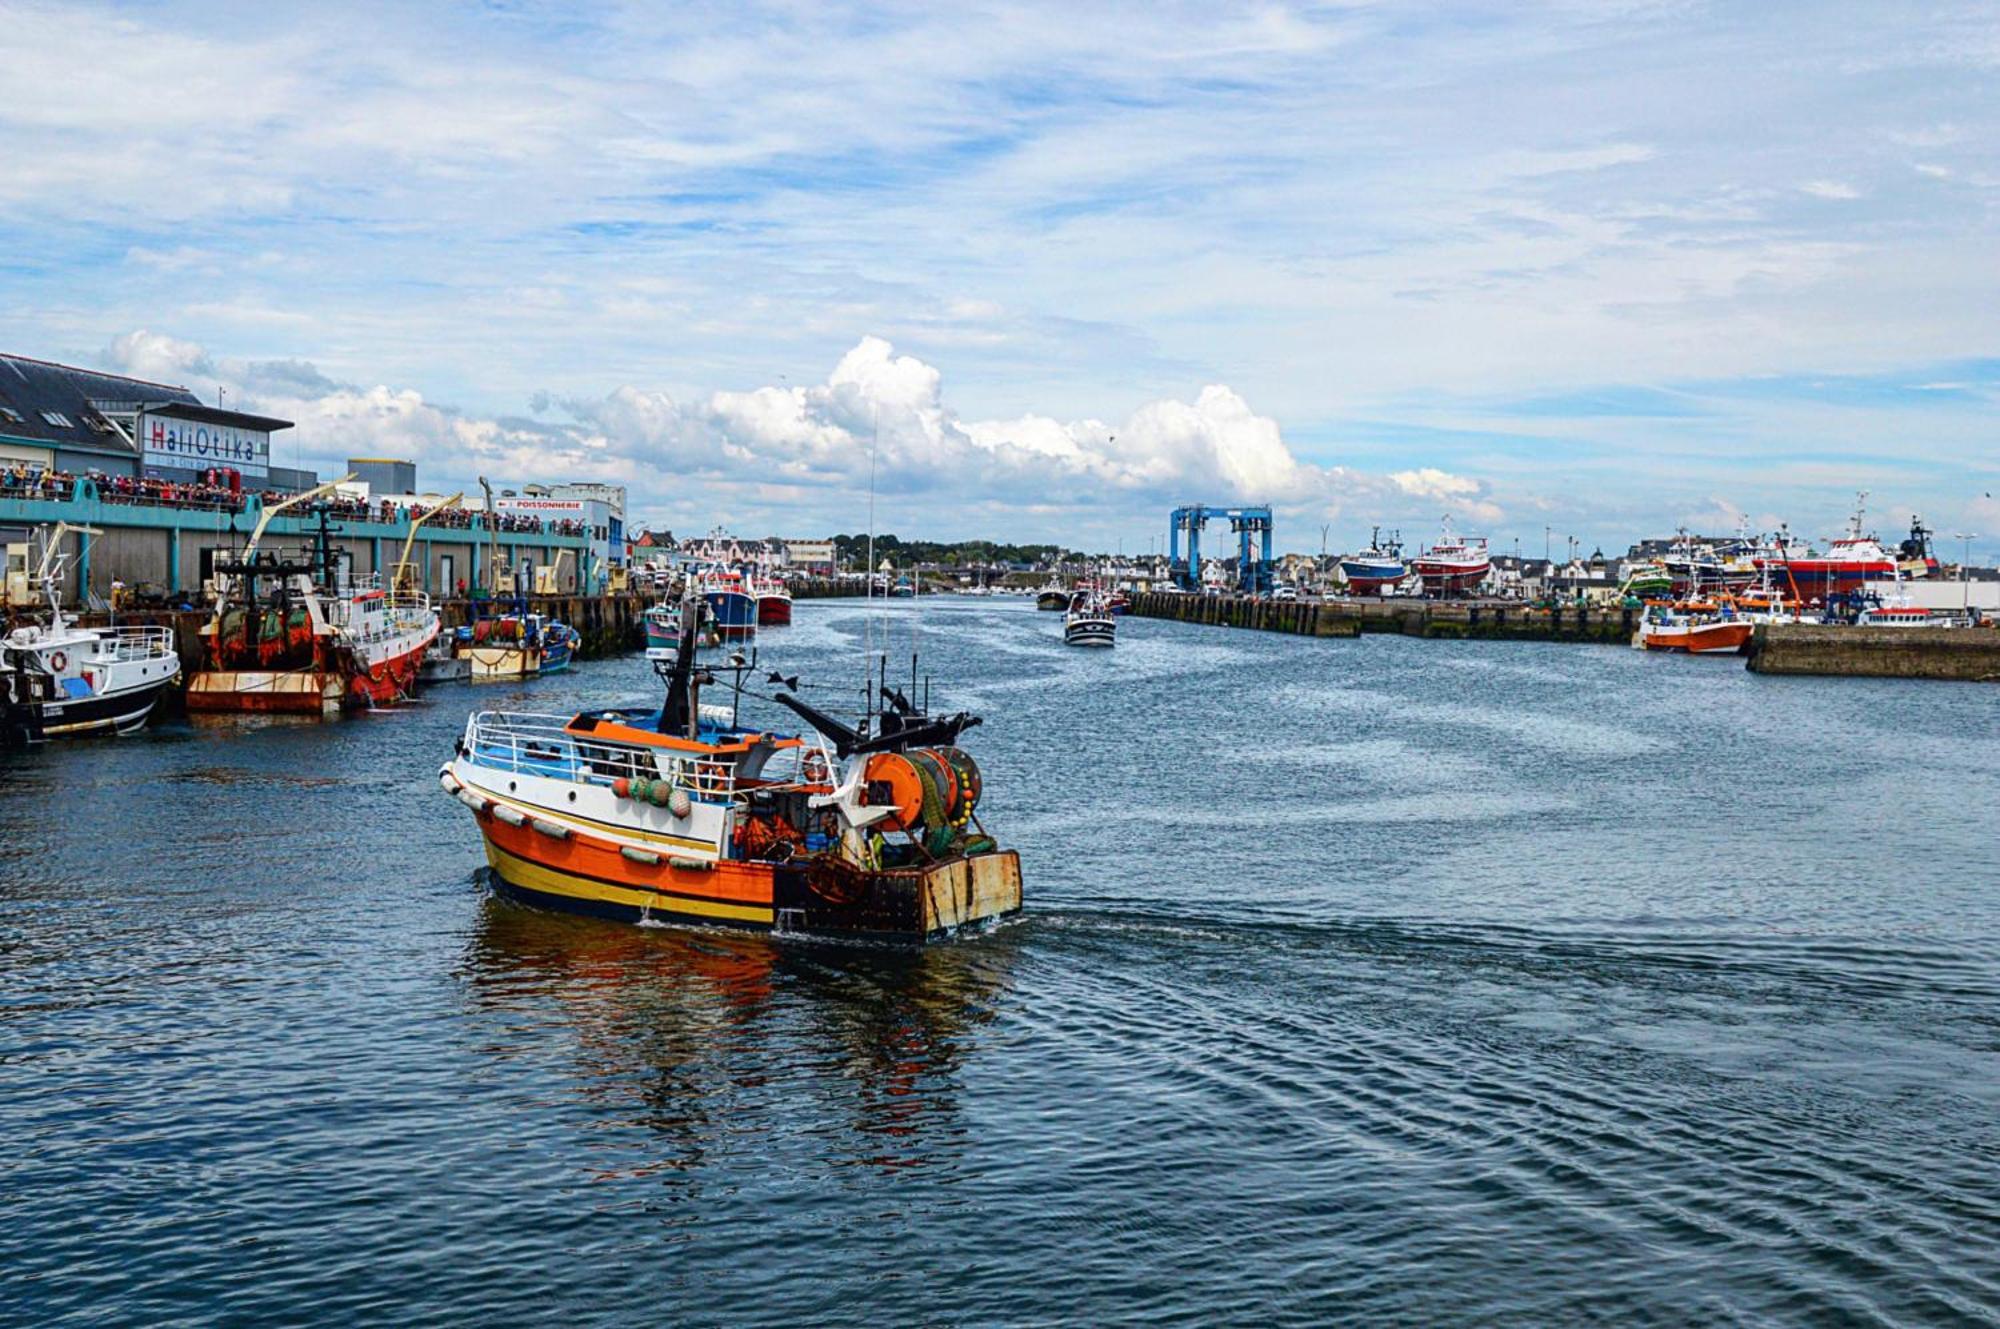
[(551, 881)]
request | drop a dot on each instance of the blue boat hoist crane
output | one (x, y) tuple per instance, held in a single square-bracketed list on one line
[(1253, 576)]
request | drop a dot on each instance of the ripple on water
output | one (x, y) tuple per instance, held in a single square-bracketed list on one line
[(1406, 982)]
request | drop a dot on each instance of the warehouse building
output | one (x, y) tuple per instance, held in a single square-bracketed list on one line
[(63, 419)]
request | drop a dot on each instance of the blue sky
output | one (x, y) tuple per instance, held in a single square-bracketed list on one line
[(1603, 268)]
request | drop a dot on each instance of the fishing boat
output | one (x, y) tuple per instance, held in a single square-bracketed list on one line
[(1646, 581), (442, 663), (1850, 562), (1693, 628), (501, 650), (287, 636), (1089, 621), (731, 606), (774, 602), (663, 625), (685, 815), (1052, 595), (559, 642), (1453, 565), (1377, 568), (58, 680)]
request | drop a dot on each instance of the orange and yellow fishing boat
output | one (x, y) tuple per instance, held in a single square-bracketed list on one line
[(683, 815)]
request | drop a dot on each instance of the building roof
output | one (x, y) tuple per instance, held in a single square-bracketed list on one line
[(63, 406)]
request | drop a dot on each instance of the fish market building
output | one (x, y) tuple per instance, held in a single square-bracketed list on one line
[(59, 418)]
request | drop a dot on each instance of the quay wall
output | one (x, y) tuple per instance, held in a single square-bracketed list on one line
[(1963, 654), (166, 550), (1494, 620)]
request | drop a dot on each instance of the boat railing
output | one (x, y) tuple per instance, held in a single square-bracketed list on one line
[(535, 744), (135, 642)]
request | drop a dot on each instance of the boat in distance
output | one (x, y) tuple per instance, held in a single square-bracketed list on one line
[(731, 607), (1089, 620), (1376, 568), (774, 602), (1453, 565), (683, 815)]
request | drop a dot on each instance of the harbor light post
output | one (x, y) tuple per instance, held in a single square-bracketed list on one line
[(1965, 539)]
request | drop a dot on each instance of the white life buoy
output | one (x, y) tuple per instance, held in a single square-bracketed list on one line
[(58, 662)]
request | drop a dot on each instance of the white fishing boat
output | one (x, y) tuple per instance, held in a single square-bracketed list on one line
[(1089, 620), (58, 680)]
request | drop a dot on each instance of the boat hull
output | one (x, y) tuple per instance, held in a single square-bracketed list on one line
[(1370, 577), (1813, 579), (121, 713), (1052, 600), (267, 691), (493, 664), (1090, 631), (734, 614), (1700, 638), (1441, 578), (911, 905), (391, 678), (774, 610)]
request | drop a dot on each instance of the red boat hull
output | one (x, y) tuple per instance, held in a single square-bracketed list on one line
[(774, 610), (1701, 638), (388, 680), (1450, 578)]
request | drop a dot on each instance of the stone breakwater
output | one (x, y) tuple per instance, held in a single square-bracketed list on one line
[(1497, 620), (1965, 654), (1962, 654)]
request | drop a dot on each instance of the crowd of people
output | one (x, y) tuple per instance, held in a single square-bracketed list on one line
[(211, 494), (167, 493), (28, 482)]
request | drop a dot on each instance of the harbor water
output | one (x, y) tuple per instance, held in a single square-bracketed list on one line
[(1397, 981)]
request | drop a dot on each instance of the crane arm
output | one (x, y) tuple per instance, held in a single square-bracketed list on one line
[(403, 563), (264, 519)]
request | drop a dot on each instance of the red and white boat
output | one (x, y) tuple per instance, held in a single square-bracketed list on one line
[(774, 601), (283, 638), (1849, 564), (1453, 565), (1693, 629)]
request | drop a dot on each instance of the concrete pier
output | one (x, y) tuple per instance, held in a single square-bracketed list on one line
[(1964, 654), (1500, 620)]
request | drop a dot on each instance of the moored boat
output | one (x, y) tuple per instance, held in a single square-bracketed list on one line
[(731, 607), (58, 680), (286, 637), (1849, 563), (774, 602), (1693, 628), (685, 815), (663, 625)]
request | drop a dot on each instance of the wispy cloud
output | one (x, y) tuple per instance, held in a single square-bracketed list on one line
[(1359, 218)]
